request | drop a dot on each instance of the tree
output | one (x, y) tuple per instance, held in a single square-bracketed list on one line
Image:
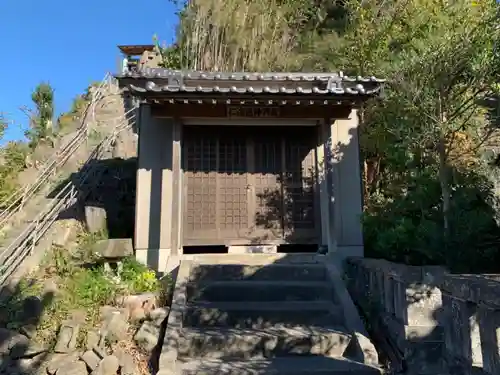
[(423, 144), (3, 125), (427, 135), (41, 118)]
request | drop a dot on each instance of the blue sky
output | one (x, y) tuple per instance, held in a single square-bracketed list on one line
[(69, 45)]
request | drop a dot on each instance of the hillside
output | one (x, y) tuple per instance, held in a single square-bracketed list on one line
[(57, 171)]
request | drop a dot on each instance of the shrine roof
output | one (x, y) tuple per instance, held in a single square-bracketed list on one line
[(134, 50), (161, 82)]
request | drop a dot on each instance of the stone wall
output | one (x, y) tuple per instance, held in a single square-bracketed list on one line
[(427, 320)]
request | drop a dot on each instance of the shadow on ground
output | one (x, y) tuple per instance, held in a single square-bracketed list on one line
[(283, 315), (110, 186), (18, 317)]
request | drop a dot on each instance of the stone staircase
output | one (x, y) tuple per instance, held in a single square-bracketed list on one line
[(262, 315)]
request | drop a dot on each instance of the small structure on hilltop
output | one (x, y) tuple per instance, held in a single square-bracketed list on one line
[(249, 161), (136, 57)]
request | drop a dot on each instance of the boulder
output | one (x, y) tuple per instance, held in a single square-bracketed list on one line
[(114, 249), (92, 359), (108, 366), (66, 339), (59, 361), (95, 219), (74, 368), (147, 336), (127, 363)]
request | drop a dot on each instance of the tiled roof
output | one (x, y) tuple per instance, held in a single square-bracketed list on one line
[(157, 80)]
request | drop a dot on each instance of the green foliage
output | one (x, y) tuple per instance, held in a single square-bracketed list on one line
[(41, 119), (430, 194), (86, 288), (90, 287), (13, 155), (78, 106), (171, 55), (138, 277), (3, 125)]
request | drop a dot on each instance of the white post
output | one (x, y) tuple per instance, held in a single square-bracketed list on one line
[(125, 65)]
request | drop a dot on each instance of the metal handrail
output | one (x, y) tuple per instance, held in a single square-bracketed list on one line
[(24, 244), (16, 201)]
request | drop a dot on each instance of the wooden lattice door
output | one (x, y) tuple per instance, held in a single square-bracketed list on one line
[(216, 191), (299, 187), (283, 184), (249, 185)]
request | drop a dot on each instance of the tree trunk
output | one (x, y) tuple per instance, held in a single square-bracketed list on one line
[(445, 186)]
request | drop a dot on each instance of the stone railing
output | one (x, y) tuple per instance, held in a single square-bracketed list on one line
[(428, 320)]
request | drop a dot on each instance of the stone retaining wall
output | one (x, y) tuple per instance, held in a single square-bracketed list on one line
[(427, 320)]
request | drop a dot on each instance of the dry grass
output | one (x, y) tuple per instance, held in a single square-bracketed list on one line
[(140, 357), (237, 35)]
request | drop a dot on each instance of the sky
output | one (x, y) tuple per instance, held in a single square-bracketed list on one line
[(69, 45)]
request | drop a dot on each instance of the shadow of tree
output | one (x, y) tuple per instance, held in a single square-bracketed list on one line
[(267, 170), (111, 187), (406, 226), (426, 320), (19, 316), (261, 313)]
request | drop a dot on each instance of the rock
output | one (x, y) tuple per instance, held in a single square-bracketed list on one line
[(108, 366), (137, 315), (74, 368), (25, 366), (66, 339), (116, 248), (94, 339), (50, 286), (32, 310), (135, 300), (28, 330), (107, 311), (100, 351), (6, 336), (79, 316), (115, 327), (125, 313), (91, 359), (158, 315), (17, 346), (147, 336), (149, 306), (5, 365), (61, 361), (127, 363), (24, 348), (95, 219)]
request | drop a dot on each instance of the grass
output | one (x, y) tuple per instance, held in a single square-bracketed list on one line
[(78, 288)]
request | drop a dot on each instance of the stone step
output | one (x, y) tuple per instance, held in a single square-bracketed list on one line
[(269, 343), (278, 366), (261, 315), (284, 272), (261, 290)]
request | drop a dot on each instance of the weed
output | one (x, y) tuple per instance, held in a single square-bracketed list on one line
[(61, 261), (86, 240), (78, 288), (138, 277)]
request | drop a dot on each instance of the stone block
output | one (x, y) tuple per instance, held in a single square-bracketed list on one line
[(489, 330), (95, 219), (114, 249)]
